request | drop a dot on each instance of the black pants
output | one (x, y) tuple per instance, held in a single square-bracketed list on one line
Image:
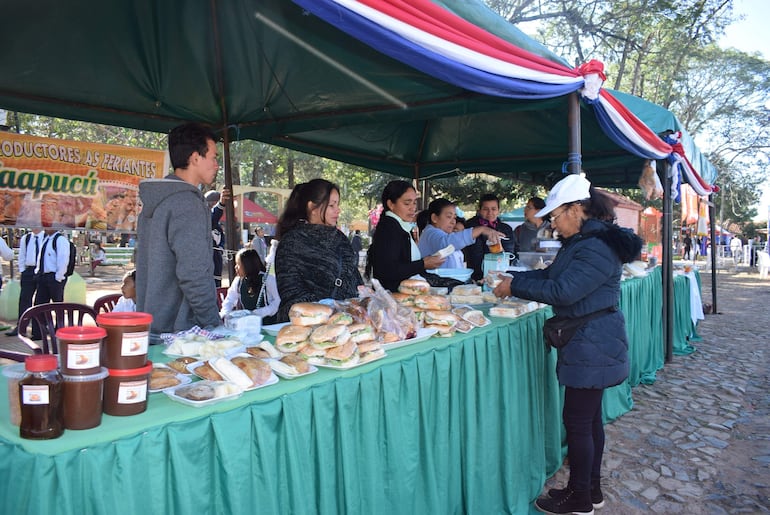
[(28, 285), (49, 289), (582, 416)]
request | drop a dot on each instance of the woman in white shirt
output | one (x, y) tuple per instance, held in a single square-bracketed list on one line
[(252, 289)]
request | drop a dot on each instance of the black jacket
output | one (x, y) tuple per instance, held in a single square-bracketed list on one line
[(309, 260), (391, 254)]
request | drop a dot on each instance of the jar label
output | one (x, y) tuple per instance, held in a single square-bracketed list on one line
[(34, 394), (83, 356), (132, 392), (135, 344)]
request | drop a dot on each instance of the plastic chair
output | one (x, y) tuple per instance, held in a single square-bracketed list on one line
[(221, 295), (50, 317), (106, 303), (763, 262)]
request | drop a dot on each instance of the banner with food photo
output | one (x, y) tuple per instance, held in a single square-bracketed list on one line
[(46, 182)]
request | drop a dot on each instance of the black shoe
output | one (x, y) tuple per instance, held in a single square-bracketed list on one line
[(13, 332), (575, 503), (597, 499)]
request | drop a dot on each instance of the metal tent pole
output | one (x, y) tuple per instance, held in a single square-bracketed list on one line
[(668, 272)]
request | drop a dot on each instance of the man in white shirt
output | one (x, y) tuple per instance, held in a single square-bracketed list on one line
[(29, 249), (52, 268)]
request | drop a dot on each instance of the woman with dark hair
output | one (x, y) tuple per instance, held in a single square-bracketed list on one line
[(314, 260), (438, 234), (583, 287), (252, 288), (393, 255)]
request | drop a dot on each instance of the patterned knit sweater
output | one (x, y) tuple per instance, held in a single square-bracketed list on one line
[(309, 260)]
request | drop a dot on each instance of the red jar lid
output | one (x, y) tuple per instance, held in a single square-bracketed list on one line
[(41, 362), (120, 372), (81, 333), (124, 318)]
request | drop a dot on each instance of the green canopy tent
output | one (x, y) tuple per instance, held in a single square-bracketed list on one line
[(269, 71)]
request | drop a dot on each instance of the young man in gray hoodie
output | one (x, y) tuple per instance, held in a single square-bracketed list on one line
[(174, 269)]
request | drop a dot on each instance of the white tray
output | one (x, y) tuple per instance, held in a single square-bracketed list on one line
[(311, 370), (171, 392), (183, 379), (273, 329), (273, 378), (348, 367), (422, 334)]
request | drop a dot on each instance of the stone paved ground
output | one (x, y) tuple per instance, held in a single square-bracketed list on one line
[(698, 439)]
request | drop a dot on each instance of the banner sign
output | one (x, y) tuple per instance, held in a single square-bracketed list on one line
[(70, 184)]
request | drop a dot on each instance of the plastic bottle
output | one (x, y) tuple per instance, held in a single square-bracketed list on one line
[(40, 397)]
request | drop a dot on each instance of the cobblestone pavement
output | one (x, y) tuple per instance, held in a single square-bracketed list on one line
[(698, 440)]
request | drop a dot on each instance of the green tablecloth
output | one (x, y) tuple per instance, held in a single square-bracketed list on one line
[(470, 424)]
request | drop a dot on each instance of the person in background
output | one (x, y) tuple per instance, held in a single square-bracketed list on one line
[(52, 268), (215, 201), (250, 282), (527, 235), (459, 224), (487, 214), (173, 259), (29, 251), (736, 248), (422, 219), (314, 260), (356, 242), (393, 255), (439, 233), (687, 248), (583, 282), (259, 243), (6, 253), (98, 256), (127, 301)]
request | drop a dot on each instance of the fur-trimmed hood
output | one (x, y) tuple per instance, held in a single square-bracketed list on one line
[(623, 241)]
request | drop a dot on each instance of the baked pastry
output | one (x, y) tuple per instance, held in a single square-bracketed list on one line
[(180, 364), (257, 352), (206, 371), (300, 365), (257, 370), (196, 392), (163, 381)]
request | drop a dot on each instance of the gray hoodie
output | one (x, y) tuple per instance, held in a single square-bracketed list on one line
[(174, 267)]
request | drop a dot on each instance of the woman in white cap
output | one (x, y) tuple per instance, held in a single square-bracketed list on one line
[(583, 286)]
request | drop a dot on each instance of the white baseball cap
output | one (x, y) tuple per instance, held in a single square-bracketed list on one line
[(572, 188)]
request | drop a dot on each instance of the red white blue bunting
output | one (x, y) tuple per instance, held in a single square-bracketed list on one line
[(441, 44)]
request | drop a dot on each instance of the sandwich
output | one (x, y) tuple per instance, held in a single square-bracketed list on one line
[(405, 299), (369, 351), (292, 337), (341, 318), (309, 313), (443, 321), (327, 336), (291, 365), (312, 355), (437, 302), (343, 356), (361, 333), (414, 286), (466, 289)]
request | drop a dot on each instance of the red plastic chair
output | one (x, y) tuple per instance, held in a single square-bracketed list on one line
[(106, 303), (50, 317), (221, 295)]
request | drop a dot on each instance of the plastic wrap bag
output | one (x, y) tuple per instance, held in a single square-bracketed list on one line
[(392, 321)]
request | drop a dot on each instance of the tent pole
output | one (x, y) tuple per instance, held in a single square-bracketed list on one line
[(230, 233), (667, 276), (575, 144), (714, 250)]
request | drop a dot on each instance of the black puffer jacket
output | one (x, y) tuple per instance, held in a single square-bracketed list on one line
[(585, 278), (309, 260)]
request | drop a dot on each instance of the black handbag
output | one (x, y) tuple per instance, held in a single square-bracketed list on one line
[(558, 331)]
